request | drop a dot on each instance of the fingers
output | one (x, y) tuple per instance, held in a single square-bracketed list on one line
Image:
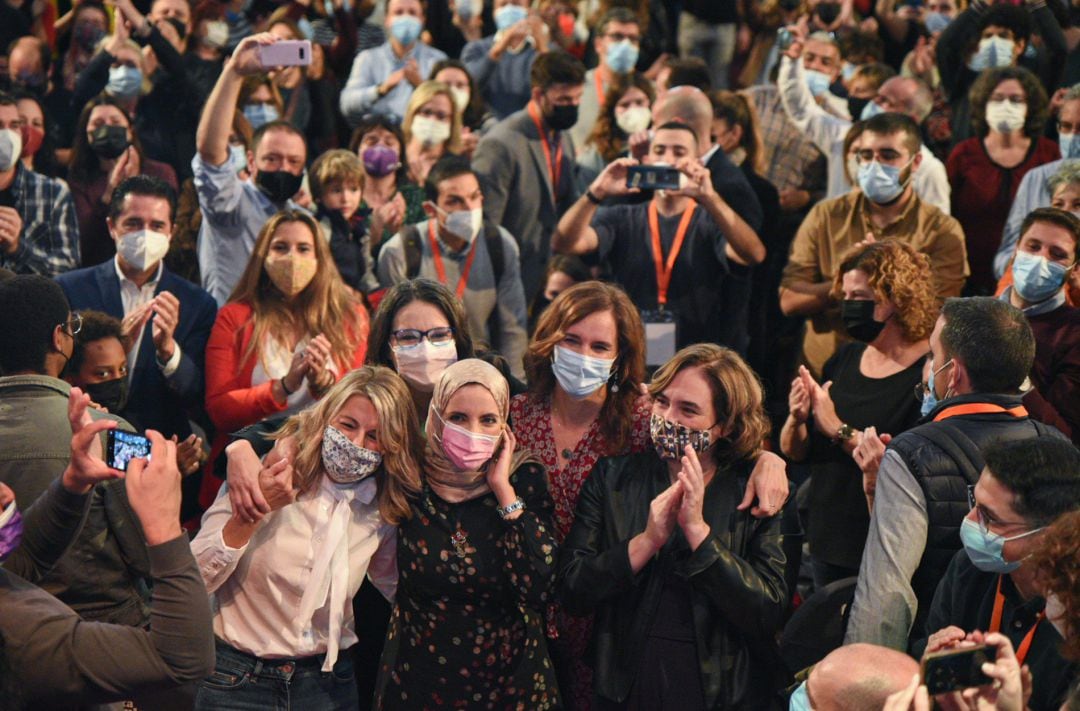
[(81, 440), (748, 497), (6, 495), (901, 700)]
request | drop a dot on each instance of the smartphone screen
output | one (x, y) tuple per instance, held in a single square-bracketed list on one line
[(652, 177), (125, 446)]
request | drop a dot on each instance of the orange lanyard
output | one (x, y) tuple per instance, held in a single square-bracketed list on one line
[(436, 256), (554, 168), (599, 88), (995, 624), (663, 275), (979, 408)]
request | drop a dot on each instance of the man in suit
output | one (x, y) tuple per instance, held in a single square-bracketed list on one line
[(526, 163), (167, 319)]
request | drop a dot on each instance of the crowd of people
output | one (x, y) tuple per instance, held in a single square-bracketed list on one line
[(539, 354)]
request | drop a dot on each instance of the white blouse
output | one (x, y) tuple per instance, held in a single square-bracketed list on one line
[(288, 592)]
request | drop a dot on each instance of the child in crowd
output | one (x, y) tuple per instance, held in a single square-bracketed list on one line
[(337, 181)]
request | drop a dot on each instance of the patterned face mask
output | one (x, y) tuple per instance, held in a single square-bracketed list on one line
[(670, 438), (345, 461)]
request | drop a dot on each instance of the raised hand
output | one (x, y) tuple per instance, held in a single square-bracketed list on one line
[(166, 308), (698, 180), (318, 355), (799, 401), (498, 476), (245, 58), (276, 484), (11, 226), (189, 454), (612, 181), (689, 514), (768, 483), (87, 467), (242, 473), (153, 490), (663, 515)]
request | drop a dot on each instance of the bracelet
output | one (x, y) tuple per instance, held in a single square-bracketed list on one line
[(591, 197), (285, 389), (516, 505)]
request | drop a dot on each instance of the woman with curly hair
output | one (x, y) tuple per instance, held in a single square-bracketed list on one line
[(1057, 568), (888, 306), (1009, 110), (628, 109)]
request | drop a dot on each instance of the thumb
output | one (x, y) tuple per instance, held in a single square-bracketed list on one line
[(826, 387), (748, 497)]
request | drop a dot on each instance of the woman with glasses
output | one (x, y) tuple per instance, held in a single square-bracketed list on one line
[(888, 307), (432, 128)]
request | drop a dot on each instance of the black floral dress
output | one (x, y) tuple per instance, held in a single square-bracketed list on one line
[(467, 628)]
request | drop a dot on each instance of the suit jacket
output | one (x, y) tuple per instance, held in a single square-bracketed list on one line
[(518, 191), (154, 402)]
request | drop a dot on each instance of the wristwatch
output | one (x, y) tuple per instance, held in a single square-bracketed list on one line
[(843, 433), (516, 505)]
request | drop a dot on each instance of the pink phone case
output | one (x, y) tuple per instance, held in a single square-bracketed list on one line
[(286, 53)]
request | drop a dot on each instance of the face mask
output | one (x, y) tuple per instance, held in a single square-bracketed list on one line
[(1055, 612), (509, 15), (984, 549), (108, 141), (345, 461), (561, 117), (1036, 278), (406, 29), (634, 119), (143, 249), (936, 22), (32, 138), (10, 148), (238, 157), (430, 132), (870, 111), (855, 107), (30, 81), (670, 438), (580, 375), (880, 183), (278, 185), (464, 224), (111, 394), (468, 9), (11, 530), (818, 82), (258, 115), (858, 317), (622, 56), (461, 98), (847, 70), (217, 34), (800, 699), (467, 451), (290, 273), (1005, 116), (1070, 145), (992, 52), (422, 365), (827, 12), (124, 81), (87, 36), (380, 161)]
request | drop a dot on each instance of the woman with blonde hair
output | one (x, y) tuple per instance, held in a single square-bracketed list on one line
[(338, 481), (432, 128), (290, 330), (889, 308), (688, 591)]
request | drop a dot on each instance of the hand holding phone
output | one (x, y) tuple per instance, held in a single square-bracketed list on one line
[(956, 669), (285, 53), (122, 447)]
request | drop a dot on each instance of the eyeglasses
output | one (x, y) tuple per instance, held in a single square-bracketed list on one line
[(73, 324), (411, 337), (619, 37), (986, 519), (435, 114), (923, 389)]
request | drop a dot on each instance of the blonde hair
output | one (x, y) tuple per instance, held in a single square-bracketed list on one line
[(336, 166), (424, 93), (324, 306), (399, 437)]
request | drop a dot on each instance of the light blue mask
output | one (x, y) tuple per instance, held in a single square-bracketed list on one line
[(580, 375), (1070, 145), (509, 15), (238, 158), (871, 110), (984, 548), (259, 115), (1036, 278), (800, 699), (124, 81), (930, 401), (847, 70), (818, 82), (406, 29), (993, 52), (622, 56), (936, 22), (880, 183)]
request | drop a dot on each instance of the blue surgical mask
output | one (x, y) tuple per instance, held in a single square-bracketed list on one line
[(509, 15), (580, 375), (622, 56), (880, 183), (930, 400), (871, 110), (259, 115), (936, 22), (847, 70), (800, 699), (818, 82), (1070, 145), (984, 547), (993, 52), (406, 29), (238, 157), (1036, 278), (124, 81)]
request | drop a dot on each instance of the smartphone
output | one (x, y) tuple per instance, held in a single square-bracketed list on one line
[(122, 447), (286, 53), (653, 177), (956, 669), (784, 38)]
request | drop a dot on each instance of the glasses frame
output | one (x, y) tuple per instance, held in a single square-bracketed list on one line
[(395, 336), (73, 324)]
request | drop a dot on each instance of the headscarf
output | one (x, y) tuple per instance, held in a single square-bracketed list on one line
[(445, 479)]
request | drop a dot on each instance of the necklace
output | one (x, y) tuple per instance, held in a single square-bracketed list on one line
[(566, 454), (460, 539)]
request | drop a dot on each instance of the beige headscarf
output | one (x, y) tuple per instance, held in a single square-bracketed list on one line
[(446, 480)]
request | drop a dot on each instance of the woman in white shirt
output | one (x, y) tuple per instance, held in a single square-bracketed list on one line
[(338, 481)]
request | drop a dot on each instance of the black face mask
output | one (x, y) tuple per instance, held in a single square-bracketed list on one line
[(855, 107), (278, 185), (108, 141), (110, 394), (858, 318), (827, 12), (561, 117), (789, 5)]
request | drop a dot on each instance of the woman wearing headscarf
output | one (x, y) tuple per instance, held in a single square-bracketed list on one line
[(476, 561)]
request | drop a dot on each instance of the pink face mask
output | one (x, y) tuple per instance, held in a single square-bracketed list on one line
[(467, 451)]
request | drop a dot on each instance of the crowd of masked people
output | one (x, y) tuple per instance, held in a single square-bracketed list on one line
[(540, 354)]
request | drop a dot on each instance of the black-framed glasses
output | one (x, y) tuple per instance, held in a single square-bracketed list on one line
[(73, 324), (411, 337), (619, 37)]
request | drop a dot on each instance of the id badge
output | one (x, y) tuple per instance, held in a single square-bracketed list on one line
[(661, 336)]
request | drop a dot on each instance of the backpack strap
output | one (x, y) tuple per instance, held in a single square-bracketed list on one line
[(410, 237), (958, 446)]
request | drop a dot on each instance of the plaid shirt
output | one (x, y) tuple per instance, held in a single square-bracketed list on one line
[(792, 160), (49, 243)]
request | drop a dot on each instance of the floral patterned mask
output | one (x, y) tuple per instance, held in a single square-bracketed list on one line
[(346, 462)]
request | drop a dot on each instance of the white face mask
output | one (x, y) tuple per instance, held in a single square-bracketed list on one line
[(430, 131), (10, 148), (142, 249), (461, 99), (1005, 116), (422, 364), (217, 34), (634, 119), (1055, 612), (464, 224)]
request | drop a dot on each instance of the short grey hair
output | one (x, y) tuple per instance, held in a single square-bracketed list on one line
[(1073, 94), (1068, 173), (826, 37)]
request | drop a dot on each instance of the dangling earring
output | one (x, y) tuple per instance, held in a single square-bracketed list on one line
[(614, 380)]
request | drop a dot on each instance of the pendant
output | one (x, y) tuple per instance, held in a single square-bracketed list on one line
[(460, 541), (566, 454)]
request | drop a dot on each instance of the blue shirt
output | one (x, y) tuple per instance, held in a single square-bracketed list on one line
[(1032, 193), (371, 68), (504, 84)]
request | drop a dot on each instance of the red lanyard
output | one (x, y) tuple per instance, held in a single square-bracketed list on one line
[(554, 168), (599, 88), (663, 275), (995, 624), (436, 256), (979, 408)]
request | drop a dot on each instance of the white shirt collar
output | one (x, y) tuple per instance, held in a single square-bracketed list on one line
[(123, 278)]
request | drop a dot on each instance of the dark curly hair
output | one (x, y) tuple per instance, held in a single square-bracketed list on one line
[(1038, 106), (1057, 566), (609, 139)]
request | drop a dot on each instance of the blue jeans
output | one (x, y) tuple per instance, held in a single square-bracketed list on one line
[(246, 683)]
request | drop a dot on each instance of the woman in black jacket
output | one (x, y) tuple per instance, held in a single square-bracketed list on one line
[(688, 591)]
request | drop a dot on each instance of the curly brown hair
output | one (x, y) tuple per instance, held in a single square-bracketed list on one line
[(900, 275), (1057, 568), (1038, 106), (609, 139)]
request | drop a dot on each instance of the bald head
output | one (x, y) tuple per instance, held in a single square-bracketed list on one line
[(859, 677), (908, 96), (27, 57), (689, 105)]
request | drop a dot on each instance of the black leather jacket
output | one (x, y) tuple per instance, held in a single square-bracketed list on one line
[(736, 578)]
